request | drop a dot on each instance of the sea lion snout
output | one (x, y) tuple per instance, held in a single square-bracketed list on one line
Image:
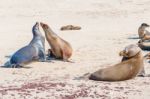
[(36, 26), (43, 25), (37, 23), (145, 24), (122, 53)]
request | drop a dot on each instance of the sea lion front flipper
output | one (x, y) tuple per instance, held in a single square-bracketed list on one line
[(50, 53), (42, 56), (142, 72), (65, 56)]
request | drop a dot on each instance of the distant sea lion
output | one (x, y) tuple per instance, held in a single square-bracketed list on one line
[(147, 56), (70, 27), (60, 48), (124, 70), (144, 45), (34, 51), (143, 33)]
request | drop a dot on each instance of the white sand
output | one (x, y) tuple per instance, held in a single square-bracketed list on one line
[(106, 27)]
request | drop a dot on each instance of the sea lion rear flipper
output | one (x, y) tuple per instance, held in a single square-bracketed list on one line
[(65, 56), (16, 66), (142, 72)]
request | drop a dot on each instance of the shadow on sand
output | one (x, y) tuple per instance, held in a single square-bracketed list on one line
[(133, 38), (8, 65)]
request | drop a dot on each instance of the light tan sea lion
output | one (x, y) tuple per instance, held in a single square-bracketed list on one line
[(60, 48), (70, 27), (124, 70), (143, 33), (142, 71)]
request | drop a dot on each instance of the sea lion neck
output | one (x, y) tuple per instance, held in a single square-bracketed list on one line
[(139, 54), (50, 31)]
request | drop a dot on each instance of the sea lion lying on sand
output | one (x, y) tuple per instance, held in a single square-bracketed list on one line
[(144, 45), (127, 69), (60, 48), (143, 33), (70, 27)]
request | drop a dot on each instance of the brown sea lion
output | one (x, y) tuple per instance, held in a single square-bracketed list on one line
[(143, 33), (127, 69), (60, 48), (70, 27), (142, 71)]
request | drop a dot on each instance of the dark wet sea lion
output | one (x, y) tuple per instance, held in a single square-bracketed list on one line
[(32, 52)]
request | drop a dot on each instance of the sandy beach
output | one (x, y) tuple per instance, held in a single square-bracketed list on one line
[(107, 27)]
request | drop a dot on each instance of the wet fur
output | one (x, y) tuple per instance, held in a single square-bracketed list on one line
[(32, 52)]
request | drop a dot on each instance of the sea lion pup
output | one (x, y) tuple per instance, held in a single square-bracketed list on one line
[(32, 52), (124, 70), (60, 48), (143, 33), (70, 27), (144, 45)]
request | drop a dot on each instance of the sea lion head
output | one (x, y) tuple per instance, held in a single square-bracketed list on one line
[(130, 51), (35, 30), (44, 26), (144, 25)]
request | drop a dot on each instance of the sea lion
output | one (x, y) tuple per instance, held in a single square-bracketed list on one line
[(60, 48), (142, 70), (143, 33), (70, 27), (147, 56), (35, 50), (144, 45), (124, 70)]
